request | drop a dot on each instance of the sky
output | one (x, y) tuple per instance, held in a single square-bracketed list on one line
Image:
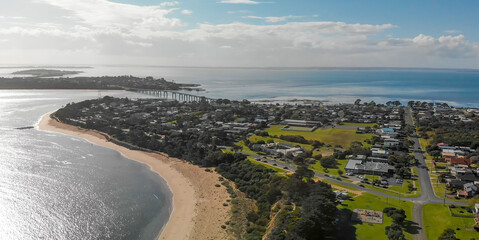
[(241, 33)]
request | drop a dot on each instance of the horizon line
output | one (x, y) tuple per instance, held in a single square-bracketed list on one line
[(232, 67)]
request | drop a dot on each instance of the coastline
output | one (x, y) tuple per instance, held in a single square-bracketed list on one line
[(194, 194)]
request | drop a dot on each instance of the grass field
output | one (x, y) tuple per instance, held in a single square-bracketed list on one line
[(332, 136), (377, 231), (256, 138), (360, 124), (331, 171), (437, 218)]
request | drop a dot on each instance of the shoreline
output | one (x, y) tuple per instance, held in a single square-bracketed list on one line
[(194, 195)]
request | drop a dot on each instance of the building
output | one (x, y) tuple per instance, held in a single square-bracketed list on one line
[(366, 167)]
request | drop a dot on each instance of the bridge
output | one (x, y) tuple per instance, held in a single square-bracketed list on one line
[(173, 95)]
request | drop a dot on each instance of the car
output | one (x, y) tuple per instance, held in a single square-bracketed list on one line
[(361, 185), (285, 167), (274, 164), (361, 177)]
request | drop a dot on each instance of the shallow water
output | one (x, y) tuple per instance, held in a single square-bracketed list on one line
[(54, 186)]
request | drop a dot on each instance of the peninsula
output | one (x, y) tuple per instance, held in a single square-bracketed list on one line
[(342, 171), (100, 83)]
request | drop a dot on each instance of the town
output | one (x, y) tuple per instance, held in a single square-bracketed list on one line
[(378, 158)]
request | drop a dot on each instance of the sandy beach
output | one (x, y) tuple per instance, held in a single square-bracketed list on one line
[(198, 211)]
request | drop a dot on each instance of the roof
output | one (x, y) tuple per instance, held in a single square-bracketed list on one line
[(459, 160), (468, 177), (374, 166), (352, 164)]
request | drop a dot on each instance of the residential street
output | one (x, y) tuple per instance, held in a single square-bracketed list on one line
[(427, 192)]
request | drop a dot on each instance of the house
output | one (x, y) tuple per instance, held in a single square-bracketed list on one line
[(468, 177), (379, 153), (471, 189), (454, 183), (453, 161)]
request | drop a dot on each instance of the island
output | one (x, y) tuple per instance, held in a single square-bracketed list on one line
[(46, 72)]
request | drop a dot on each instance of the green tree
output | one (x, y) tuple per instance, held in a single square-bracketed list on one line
[(448, 234), (394, 232)]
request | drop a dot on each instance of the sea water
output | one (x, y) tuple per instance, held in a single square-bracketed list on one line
[(54, 186)]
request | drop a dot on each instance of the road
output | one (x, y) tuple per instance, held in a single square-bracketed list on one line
[(427, 191)]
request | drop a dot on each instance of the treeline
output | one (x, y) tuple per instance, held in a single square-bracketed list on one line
[(458, 133)]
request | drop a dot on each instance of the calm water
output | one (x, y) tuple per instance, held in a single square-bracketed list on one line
[(54, 186), (455, 87)]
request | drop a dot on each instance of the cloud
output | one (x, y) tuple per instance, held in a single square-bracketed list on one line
[(187, 12), (100, 31), (169, 4), (274, 19), (238, 11), (239, 2), (116, 16), (452, 31)]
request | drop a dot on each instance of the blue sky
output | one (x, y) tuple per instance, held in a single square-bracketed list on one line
[(412, 17), (282, 33)]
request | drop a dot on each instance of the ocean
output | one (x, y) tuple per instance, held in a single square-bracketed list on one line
[(54, 186), (456, 87)]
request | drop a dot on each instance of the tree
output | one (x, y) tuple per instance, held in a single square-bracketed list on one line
[(394, 232), (329, 162), (410, 187), (448, 234), (398, 217)]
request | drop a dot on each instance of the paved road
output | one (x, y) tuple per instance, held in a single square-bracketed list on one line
[(427, 191)]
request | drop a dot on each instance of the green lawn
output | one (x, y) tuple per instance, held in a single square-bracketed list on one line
[(246, 149), (256, 138), (331, 171), (293, 128), (369, 231), (437, 218), (360, 124), (277, 169), (333, 136)]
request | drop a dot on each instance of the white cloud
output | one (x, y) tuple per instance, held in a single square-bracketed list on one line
[(169, 4), (68, 31), (452, 31), (274, 19), (187, 12), (239, 2), (238, 11), (118, 17)]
